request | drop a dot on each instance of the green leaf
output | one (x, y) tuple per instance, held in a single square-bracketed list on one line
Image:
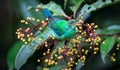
[(114, 27), (79, 66), (106, 46), (27, 50), (12, 54), (23, 6), (76, 4), (27, 9), (56, 67), (118, 39), (110, 30), (96, 6), (54, 8), (113, 31), (59, 45)]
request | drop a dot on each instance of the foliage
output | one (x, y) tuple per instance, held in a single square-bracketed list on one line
[(68, 42), (12, 54), (106, 46)]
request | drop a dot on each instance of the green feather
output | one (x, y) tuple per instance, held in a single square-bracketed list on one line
[(62, 26), (63, 30)]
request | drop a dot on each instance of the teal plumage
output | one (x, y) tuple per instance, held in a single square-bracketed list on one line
[(61, 28)]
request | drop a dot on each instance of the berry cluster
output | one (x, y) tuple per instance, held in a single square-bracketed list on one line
[(69, 54)]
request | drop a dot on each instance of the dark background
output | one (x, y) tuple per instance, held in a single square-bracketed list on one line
[(7, 31)]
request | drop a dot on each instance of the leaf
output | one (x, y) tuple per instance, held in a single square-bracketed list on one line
[(76, 4), (111, 29), (114, 27), (59, 45), (12, 54), (118, 39), (23, 7), (27, 50), (86, 9), (106, 46), (26, 9), (79, 66), (24, 53), (54, 8)]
